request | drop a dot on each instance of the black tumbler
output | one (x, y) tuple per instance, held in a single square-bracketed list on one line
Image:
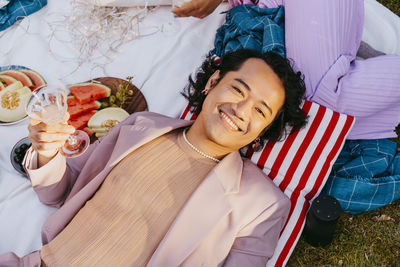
[(321, 221)]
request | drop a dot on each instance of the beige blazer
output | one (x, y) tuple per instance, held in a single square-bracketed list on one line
[(233, 218)]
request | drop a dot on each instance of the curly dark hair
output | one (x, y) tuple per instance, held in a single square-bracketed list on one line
[(289, 115)]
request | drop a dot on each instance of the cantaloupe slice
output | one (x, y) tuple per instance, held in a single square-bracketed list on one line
[(100, 129), (13, 102), (98, 135), (102, 121), (15, 86)]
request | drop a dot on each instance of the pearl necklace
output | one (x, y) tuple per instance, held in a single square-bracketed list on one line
[(196, 149)]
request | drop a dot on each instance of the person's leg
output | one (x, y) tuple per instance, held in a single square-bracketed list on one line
[(378, 126), (269, 3), (322, 38), (371, 92)]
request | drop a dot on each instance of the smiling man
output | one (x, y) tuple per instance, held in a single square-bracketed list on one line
[(158, 191), (239, 107)]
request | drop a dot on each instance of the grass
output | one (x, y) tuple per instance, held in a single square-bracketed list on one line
[(393, 5), (359, 239)]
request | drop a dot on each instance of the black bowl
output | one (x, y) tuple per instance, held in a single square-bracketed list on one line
[(14, 155)]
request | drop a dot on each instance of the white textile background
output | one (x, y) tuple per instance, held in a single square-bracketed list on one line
[(160, 64)]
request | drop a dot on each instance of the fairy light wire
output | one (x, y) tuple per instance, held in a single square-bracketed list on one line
[(92, 34)]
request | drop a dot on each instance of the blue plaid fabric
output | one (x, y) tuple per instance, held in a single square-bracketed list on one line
[(366, 175), (17, 10), (249, 26)]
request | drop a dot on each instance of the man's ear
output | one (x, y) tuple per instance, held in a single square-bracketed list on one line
[(212, 81)]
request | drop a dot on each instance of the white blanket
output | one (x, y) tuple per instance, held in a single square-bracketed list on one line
[(160, 64)]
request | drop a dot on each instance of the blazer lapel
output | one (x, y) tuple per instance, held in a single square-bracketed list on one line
[(201, 213), (144, 130)]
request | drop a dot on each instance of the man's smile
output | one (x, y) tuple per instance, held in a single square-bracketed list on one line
[(229, 121)]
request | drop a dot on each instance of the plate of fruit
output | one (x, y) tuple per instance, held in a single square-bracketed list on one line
[(16, 86), (97, 105)]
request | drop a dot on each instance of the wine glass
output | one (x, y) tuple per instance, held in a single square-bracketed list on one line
[(49, 105), (171, 24)]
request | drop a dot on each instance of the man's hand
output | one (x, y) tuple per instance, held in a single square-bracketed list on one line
[(47, 139), (197, 8)]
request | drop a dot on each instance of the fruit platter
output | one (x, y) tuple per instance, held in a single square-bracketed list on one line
[(16, 86), (97, 105)]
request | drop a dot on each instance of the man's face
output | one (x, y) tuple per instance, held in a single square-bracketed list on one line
[(241, 105)]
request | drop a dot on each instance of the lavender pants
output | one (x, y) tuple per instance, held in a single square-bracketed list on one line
[(322, 38)]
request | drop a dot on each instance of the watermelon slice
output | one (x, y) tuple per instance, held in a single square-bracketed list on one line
[(75, 109), (88, 131), (20, 76), (87, 92), (36, 78), (71, 101), (81, 121), (7, 79)]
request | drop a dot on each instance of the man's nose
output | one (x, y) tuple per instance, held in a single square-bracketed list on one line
[(243, 109)]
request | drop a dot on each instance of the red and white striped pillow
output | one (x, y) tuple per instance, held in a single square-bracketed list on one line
[(300, 166)]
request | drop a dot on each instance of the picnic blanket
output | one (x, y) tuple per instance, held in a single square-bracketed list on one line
[(152, 65), (249, 26), (17, 10), (366, 175)]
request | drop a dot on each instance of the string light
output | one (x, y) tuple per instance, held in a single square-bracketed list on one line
[(97, 31), (93, 33)]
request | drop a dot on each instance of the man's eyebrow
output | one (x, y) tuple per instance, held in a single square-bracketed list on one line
[(248, 88)]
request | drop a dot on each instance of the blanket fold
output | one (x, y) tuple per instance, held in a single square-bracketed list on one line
[(366, 175), (249, 26)]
